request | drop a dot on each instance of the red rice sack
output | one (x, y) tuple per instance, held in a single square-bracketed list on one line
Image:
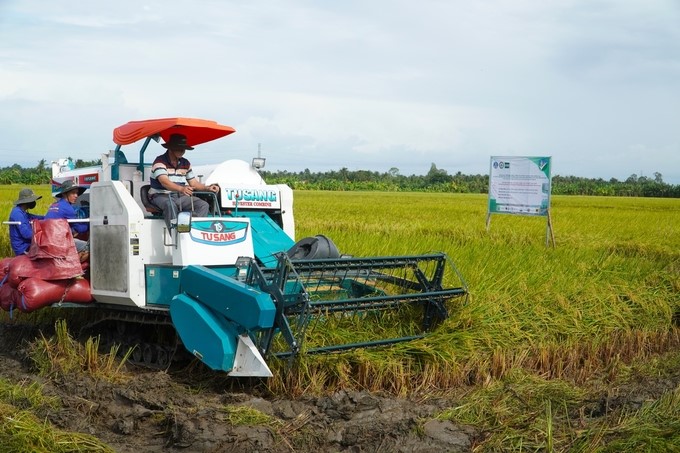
[(4, 267), (52, 238), (54, 251), (79, 292), (37, 293), (9, 297), (23, 267)]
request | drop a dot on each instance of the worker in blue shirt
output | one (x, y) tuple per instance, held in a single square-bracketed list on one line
[(63, 209), (21, 234)]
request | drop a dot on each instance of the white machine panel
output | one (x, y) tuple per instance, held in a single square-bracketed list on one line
[(214, 241)]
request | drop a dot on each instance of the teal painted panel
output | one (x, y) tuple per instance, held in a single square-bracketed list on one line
[(268, 238), (246, 306), (204, 333), (162, 283)]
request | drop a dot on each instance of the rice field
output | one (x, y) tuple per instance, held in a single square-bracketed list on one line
[(549, 334), (609, 288), (610, 283), (543, 325)]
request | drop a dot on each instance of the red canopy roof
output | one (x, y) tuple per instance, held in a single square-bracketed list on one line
[(197, 131)]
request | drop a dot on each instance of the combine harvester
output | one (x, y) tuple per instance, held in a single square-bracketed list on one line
[(235, 288)]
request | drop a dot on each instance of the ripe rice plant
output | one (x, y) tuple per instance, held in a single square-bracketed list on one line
[(607, 292), (61, 354), (544, 332), (23, 425)]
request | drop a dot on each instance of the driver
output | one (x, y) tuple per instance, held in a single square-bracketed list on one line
[(173, 182)]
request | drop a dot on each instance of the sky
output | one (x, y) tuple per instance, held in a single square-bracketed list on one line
[(357, 84)]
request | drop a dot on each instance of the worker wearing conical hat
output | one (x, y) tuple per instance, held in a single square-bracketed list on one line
[(21, 234), (63, 208)]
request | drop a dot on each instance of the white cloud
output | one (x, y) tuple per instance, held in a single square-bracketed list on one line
[(353, 84)]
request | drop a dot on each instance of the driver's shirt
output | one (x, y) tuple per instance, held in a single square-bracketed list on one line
[(179, 174)]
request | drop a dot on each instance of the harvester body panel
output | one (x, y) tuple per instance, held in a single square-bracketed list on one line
[(205, 334), (242, 304), (268, 238), (214, 241)]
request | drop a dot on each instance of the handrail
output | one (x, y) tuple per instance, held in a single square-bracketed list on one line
[(13, 222)]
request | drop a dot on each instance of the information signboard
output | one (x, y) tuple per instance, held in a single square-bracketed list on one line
[(520, 185)]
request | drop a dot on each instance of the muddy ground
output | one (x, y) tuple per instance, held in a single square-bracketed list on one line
[(182, 410), (175, 411)]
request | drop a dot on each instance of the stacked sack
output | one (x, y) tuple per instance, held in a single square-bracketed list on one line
[(51, 272)]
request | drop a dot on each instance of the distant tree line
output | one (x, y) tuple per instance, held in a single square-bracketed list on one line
[(19, 175), (436, 180)]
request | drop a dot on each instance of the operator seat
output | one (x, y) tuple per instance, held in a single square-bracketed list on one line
[(144, 195)]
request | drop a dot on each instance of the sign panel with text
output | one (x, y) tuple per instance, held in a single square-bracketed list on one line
[(519, 185)]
